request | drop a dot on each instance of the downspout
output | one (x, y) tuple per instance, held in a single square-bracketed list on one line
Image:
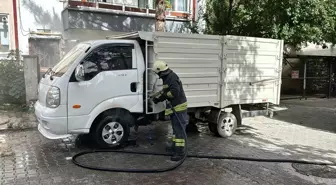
[(194, 10), (16, 35)]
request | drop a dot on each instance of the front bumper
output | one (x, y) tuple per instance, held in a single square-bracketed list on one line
[(50, 135), (49, 126)]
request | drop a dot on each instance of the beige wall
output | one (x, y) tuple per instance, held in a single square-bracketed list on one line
[(6, 6)]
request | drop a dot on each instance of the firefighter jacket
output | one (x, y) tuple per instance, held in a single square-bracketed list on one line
[(173, 92)]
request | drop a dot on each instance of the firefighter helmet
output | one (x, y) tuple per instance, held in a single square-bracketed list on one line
[(159, 66)]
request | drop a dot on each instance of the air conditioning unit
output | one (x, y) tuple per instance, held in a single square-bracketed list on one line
[(4, 19)]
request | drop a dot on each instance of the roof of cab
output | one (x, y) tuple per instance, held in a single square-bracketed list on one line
[(134, 35), (100, 42)]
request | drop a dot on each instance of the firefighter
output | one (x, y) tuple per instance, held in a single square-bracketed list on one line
[(174, 93)]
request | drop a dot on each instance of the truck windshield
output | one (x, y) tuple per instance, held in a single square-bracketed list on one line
[(62, 66)]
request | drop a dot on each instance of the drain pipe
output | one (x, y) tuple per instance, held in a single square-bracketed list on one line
[(16, 35)]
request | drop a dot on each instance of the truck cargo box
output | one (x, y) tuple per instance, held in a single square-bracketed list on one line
[(216, 71)]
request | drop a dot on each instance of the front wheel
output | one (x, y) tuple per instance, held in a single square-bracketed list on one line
[(112, 130)]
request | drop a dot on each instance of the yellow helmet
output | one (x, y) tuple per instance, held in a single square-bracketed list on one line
[(159, 66)]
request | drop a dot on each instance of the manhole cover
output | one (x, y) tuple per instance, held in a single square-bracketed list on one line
[(316, 170)]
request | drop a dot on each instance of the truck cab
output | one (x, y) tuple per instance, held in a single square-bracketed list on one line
[(96, 80)]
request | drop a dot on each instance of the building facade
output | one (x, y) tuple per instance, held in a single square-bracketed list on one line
[(38, 16), (87, 19), (96, 19)]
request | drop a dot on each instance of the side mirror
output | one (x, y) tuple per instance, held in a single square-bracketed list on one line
[(79, 73)]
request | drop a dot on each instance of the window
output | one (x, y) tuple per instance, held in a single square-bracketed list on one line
[(4, 34), (145, 3), (176, 5), (108, 58), (179, 5), (121, 2)]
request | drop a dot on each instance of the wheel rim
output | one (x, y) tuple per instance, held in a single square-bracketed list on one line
[(227, 125), (112, 133)]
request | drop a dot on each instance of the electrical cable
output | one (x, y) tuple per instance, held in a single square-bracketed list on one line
[(21, 25), (158, 170)]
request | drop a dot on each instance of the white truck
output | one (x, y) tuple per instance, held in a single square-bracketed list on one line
[(102, 87)]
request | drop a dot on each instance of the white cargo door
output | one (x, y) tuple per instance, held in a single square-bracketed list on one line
[(252, 70)]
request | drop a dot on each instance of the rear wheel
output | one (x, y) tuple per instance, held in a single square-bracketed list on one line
[(227, 124), (112, 130)]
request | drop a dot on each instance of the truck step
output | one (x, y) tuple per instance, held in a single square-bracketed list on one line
[(277, 108), (263, 112), (253, 113)]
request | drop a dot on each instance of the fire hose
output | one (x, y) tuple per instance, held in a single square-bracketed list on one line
[(158, 170)]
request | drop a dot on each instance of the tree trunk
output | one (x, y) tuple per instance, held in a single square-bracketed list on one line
[(160, 15)]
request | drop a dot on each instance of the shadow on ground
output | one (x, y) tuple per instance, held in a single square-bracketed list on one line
[(314, 113)]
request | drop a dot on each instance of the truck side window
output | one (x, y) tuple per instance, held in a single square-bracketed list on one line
[(108, 58), (117, 58), (90, 64)]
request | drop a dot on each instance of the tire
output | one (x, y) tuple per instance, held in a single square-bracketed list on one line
[(112, 129), (213, 128), (227, 125)]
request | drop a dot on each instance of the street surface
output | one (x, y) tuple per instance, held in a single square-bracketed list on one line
[(307, 130)]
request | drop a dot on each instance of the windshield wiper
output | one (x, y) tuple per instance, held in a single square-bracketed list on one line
[(50, 72), (47, 72)]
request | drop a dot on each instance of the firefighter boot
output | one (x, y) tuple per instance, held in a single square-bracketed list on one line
[(178, 154), (171, 148)]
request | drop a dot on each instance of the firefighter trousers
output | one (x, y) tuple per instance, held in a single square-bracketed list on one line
[(178, 138)]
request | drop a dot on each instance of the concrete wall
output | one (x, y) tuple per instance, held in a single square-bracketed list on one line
[(38, 14), (31, 76), (48, 50), (6, 7)]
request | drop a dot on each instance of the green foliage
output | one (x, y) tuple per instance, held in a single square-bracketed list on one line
[(192, 26), (196, 26), (168, 4), (12, 84), (297, 22)]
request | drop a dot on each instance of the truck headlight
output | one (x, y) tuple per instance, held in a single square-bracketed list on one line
[(53, 97)]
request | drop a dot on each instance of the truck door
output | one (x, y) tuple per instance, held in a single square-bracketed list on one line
[(111, 78)]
